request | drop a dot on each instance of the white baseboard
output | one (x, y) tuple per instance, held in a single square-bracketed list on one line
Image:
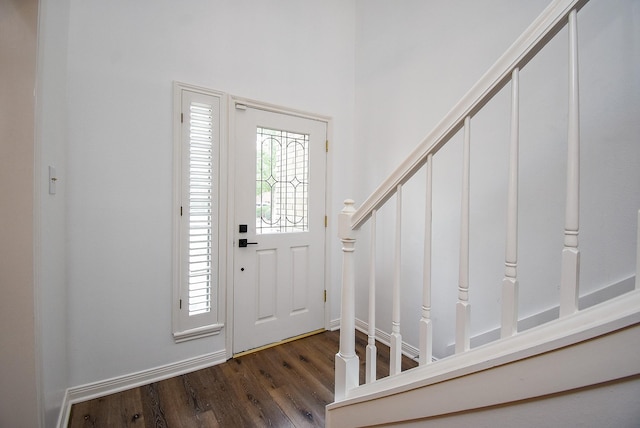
[(381, 336), (93, 390), (384, 337), (334, 324)]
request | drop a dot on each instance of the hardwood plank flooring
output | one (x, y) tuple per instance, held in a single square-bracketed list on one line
[(287, 385)]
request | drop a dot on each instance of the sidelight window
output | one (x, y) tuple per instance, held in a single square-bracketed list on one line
[(197, 220)]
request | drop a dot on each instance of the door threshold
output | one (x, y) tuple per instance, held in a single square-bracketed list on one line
[(283, 341)]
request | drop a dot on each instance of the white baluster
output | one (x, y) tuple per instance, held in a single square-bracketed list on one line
[(346, 361), (371, 346), (570, 254), (395, 363), (510, 281), (463, 309), (426, 328)]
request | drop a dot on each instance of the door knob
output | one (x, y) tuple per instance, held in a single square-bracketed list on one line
[(244, 242)]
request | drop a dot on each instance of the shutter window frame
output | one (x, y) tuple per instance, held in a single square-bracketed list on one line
[(198, 215)]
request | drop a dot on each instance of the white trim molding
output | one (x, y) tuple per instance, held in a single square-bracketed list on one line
[(381, 336), (334, 325), (105, 387), (197, 333), (385, 338), (187, 325)]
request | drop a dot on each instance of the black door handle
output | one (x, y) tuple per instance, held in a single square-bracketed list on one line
[(242, 243)]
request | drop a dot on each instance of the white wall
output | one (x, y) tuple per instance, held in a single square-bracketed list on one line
[(414, 61), (18, 355), (51, 260), (105, 122), (121, 60)]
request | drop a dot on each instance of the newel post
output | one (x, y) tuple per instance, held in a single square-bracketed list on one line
[(347, 362)]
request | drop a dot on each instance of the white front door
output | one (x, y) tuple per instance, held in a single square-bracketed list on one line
[(279, 251)]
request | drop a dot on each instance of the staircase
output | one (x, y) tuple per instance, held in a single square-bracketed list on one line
[(592, 350)]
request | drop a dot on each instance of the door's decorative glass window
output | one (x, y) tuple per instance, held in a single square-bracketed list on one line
[(282, 173)]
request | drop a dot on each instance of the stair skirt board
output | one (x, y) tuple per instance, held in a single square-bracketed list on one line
[(596, 345), (102, 388), (535, 378), (609, 404)]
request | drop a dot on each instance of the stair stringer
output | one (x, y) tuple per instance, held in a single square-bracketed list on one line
[(596, 345)]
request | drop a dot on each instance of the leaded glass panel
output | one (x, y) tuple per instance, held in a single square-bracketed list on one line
[(282, 173)]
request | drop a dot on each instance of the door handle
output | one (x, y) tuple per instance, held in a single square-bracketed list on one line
[(242, 243)]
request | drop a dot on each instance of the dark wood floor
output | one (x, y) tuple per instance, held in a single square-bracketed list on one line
[(288, 385)]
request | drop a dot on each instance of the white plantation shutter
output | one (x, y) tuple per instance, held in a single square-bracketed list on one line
[(197, 182), (201, 216)]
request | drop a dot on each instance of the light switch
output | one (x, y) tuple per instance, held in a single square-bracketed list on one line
[(52, 180)]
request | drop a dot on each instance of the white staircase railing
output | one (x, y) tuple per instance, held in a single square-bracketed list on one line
[(557, 15)]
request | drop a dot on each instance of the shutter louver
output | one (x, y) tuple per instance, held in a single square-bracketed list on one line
[(201, 262)]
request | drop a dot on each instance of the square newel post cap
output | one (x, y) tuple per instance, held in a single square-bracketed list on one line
[(345, 230)]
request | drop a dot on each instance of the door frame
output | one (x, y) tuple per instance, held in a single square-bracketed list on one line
[(231, 207)]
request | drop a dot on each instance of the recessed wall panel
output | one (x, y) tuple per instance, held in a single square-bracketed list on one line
[(300, 278)]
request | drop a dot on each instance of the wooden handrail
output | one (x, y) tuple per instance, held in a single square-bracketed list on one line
[(550, 21)]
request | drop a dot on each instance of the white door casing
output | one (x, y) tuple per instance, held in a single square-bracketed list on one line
[(279, 280)]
